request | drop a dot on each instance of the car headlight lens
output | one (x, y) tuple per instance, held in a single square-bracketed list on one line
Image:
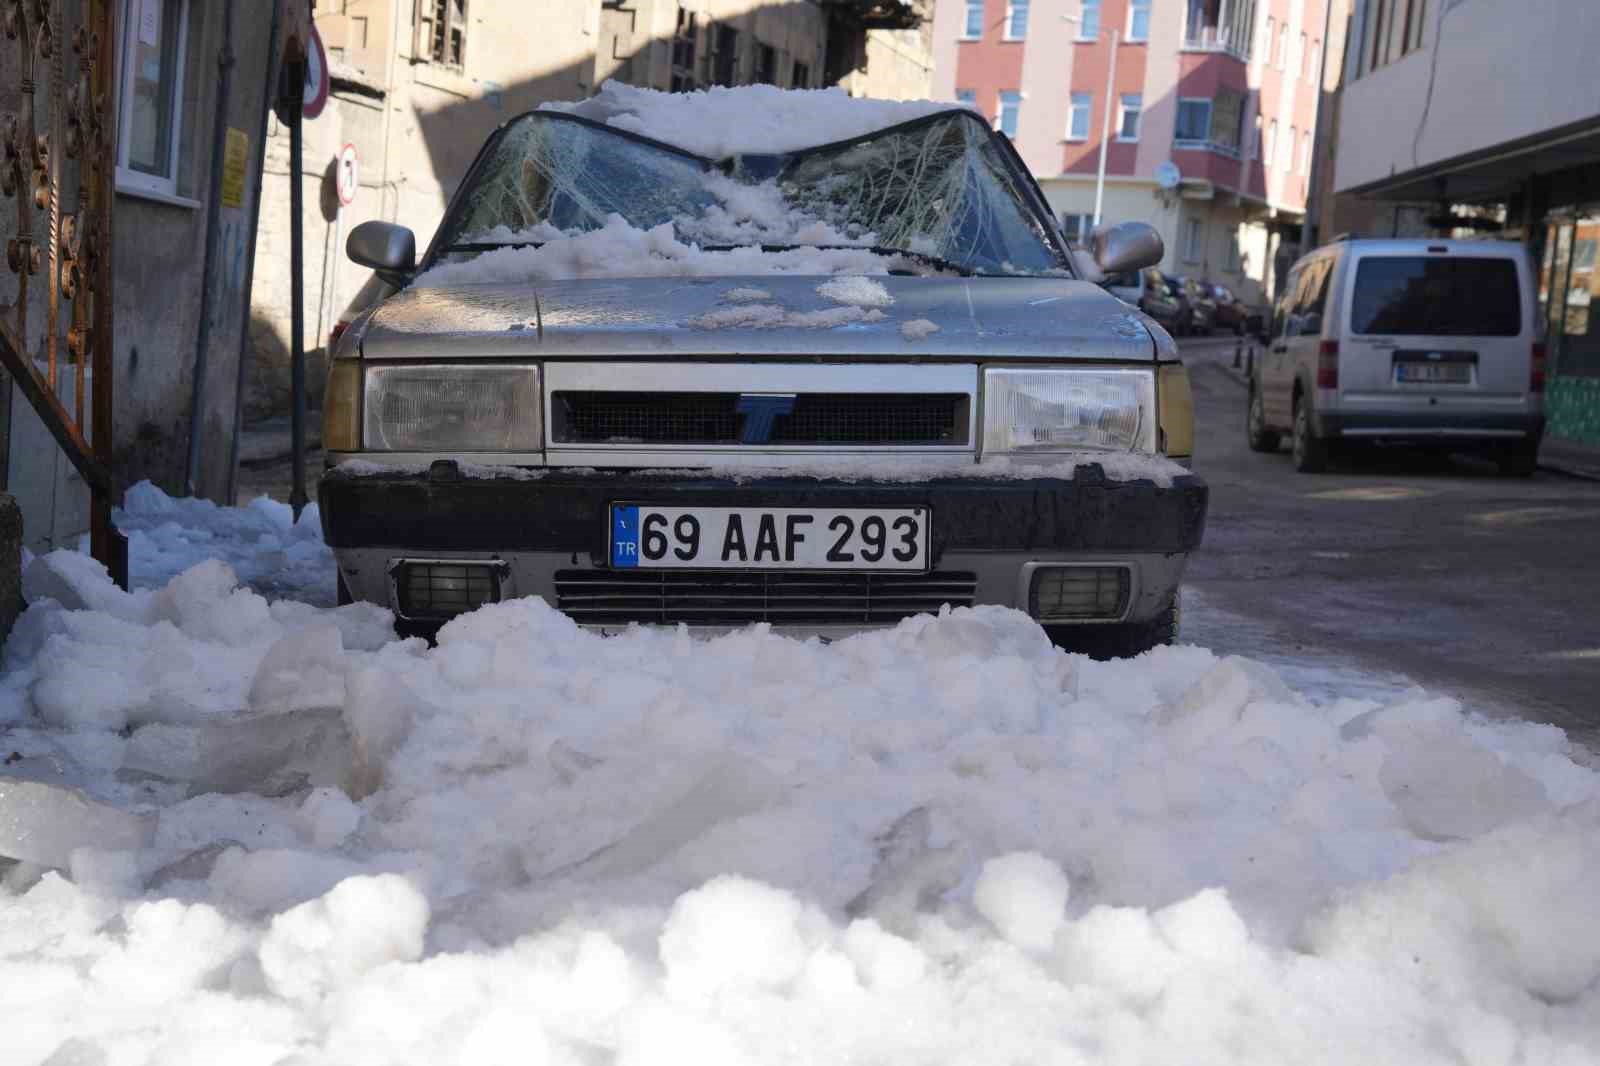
[(452, 409), (1068, 410)]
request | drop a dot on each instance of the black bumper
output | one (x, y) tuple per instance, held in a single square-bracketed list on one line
[(562, 510)]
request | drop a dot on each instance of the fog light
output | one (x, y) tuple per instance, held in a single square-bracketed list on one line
[(439, 589), (1076, 593)]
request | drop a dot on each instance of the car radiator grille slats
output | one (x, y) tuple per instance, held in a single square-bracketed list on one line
[(613, 597), (713, 418)]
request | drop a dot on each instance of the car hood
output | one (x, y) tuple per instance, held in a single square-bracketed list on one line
[(760, 317)]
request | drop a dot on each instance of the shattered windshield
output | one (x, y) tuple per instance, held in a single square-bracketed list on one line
[(937, 192)]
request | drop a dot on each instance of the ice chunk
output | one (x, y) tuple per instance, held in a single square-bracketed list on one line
[(271, 753), (361, 924), (329, 817), (909, 876), (378, 711), (916, 329), (78, 582), (43, 822), (1024, 896), (856, 291), (303, 669), (1448, 788)]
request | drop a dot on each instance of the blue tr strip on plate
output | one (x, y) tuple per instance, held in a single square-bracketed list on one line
[(624, 536)]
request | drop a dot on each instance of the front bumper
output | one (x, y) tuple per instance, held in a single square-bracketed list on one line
[(546, 528)]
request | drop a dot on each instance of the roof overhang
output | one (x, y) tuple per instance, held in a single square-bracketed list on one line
[(1493, 173)]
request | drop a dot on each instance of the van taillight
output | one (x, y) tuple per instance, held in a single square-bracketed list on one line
[(1328, 365), (335, 333), (1536, 370)]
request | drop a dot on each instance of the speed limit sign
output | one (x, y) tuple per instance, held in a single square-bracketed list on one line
[(347, 174)]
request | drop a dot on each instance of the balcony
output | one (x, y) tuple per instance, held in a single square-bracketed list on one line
[(1220, 26)]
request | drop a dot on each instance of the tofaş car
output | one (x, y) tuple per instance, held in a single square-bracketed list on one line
[(659, 376)]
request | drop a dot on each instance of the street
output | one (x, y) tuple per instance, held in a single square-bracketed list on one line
[(1440, 570)]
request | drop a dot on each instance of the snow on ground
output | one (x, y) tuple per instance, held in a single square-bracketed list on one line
[(755, 119), (295, 839)]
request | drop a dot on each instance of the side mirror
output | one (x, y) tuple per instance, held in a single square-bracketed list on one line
[(1127, 246), (388, 249)]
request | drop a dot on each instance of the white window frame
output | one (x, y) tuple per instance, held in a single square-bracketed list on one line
[(1194, 240), (1210, 110), (1146, 6), (1285, 160), (1283, 47), (1122, 117), (1270, 155), (1072, 114), (1000, 111), (966, 25), (1300, 56), (1316, 61), (1268, 29), (1011, 12), (1305, 152), (134, 181), (1084, 32)]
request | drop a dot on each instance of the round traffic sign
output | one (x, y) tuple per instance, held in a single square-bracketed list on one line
[(347, 174), (316, 91)]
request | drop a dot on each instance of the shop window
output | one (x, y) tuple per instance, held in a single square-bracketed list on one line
[(155, 35), (1569, 289)]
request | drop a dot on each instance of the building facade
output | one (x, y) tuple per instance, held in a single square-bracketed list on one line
[(418, 85), (1492, 132), (1226, 91)]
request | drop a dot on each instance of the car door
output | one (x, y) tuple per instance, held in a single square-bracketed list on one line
[(1305, 344), (1274, 374)]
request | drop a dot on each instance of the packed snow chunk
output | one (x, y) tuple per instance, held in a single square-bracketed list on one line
[(379, 710), (77, 582), (916, 329), (750, 119), (361, 924), (856, 291), (1024, 896), (735, 935), (329, 816), (272, 753), (43, 823), (303, 669), (744, 294), (772, 316)]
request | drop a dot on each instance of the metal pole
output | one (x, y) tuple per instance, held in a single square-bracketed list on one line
[(202, 343), (1105, 132), (297, 279), (268, 93), (106, 543)]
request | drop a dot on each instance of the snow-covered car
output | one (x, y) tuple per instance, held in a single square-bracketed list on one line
[(758, 356)]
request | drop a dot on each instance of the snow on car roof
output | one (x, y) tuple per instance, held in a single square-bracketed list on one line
[(748, 119)]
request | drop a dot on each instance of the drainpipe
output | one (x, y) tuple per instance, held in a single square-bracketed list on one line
[(219, 134), (269, 90), (297, 295), (1313, 222)]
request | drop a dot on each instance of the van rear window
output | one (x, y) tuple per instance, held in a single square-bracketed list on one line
[(1455, 297)]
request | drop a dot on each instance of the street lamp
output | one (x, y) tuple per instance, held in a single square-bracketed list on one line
[(1105, 130)]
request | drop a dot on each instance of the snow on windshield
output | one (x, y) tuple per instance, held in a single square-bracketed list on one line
[(749, 119)]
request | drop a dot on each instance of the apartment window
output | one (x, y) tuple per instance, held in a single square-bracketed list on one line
[(1139, 20), (1010, 111), (154, 36), (1128, 117), (1305, 153), (1193, 240), (1272, 143), (440, 32), (1016, 20), (1286, 155), (1078, 117), (1300, 57), (1283, 46), (1422, 19), (1194, 120), (1316, 61), (801, 78), (1255, 139), (1227, 118), (1089, 27), (1231, 261), (1267, 39), (766, 65), (684, 41), (1077, 228), (973, 29), (725, 56), (1380, 9)]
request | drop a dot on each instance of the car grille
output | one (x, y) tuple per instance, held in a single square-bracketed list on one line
[(611, 597), (713, 418)]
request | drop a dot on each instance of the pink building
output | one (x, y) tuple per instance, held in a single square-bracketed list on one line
[(1224, 90)]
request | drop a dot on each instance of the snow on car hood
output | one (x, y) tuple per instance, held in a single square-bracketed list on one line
[(757, 315)]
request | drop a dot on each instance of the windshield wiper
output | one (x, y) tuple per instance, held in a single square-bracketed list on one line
[(926, 258), (489, 246)]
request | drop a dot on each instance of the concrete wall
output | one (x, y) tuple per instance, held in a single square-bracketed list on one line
[(1503, 70)]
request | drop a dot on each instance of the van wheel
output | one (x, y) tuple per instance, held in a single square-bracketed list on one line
[(1259, 437), (1122, 641), (1520, 459), (1310, 450)]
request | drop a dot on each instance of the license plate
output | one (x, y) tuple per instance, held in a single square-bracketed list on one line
[(1436, 373), (644, 536)]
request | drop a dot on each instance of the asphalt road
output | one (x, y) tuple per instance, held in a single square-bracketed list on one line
[(1439, 570)]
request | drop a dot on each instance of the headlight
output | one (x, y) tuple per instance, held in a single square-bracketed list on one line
[(1068, 410), (452, 409)]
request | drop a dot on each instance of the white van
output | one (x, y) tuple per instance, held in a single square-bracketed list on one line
[(1420, 342)]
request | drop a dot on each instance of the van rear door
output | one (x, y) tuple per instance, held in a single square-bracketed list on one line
[(1446, 328)]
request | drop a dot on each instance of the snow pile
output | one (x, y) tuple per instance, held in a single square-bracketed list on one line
[(856, 292), (749, 119), (916, 329), (859, 298), (946, 842), (619, 250)]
